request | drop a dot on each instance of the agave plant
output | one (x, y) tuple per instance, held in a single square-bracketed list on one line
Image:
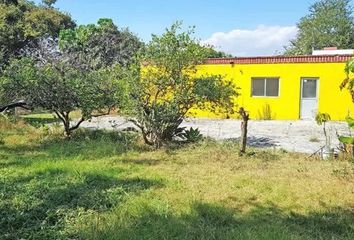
[(192, 135)]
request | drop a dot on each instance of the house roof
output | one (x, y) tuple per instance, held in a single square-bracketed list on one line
[(281, 59)]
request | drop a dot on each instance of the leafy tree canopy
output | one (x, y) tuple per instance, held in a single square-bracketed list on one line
[(22, 23), (329, 23), (100, 45)]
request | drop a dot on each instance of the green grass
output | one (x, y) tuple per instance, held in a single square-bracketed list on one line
[(106, 185)]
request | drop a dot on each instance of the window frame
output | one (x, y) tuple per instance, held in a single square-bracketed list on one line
[(265, 87)]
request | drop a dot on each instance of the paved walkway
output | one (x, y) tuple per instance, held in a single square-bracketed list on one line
[(295, 136)]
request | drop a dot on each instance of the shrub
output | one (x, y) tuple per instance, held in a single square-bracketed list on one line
[(265, 113)]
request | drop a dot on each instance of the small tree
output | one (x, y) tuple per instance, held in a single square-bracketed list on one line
[(322, 119), (168, 86)]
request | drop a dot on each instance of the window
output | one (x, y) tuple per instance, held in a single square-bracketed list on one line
[(265, 87), (309, 88)]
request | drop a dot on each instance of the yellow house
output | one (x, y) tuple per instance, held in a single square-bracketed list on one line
[(286, 87)]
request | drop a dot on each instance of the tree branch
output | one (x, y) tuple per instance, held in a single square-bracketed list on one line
[(77, 124), (21, 104)]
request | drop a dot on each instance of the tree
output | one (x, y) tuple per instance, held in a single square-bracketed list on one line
[(47, 79), (23, 23), (101, 45), (168, 86), (329, 23)]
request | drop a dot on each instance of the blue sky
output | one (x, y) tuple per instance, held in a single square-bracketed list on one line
[(240, 27)]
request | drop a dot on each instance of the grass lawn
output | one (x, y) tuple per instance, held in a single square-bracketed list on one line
[(104, 185)]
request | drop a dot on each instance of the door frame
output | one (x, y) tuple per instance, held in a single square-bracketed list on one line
[(301, 91)]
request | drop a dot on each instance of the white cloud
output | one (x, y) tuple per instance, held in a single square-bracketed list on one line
[(264, 40)]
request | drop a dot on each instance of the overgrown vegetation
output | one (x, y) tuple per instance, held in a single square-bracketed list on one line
[(107, 185)]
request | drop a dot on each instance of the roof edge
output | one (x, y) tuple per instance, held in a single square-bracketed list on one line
[(281, 59)]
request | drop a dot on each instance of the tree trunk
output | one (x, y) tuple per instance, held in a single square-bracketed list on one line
[(244, 126), (67, 126), (64, 117)]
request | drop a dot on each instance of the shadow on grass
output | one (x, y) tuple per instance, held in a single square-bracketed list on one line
[(209, 221), (44, 205), (85, 145), (40, 121)]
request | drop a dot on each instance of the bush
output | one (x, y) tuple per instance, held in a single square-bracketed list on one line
[(266, 113)]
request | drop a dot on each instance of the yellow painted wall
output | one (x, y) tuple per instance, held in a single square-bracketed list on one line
[(287, 106)]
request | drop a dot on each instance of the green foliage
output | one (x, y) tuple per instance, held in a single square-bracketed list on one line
[(218, 54), (192, 135), (100, 45), (348, 82), (329, 23), (86, 73), (61, 88), (348, 139), (322, 118), (169, 87), (24, 23)]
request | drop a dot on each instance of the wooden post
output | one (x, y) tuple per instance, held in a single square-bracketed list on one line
[(244, 124)]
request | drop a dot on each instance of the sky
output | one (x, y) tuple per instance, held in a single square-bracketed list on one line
[(238, 27)]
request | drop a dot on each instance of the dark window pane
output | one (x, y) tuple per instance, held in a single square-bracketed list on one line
[(272, 86), (258, 86), (309, 88)]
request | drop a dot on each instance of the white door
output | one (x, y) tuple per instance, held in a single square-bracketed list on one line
[(309, 98)]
